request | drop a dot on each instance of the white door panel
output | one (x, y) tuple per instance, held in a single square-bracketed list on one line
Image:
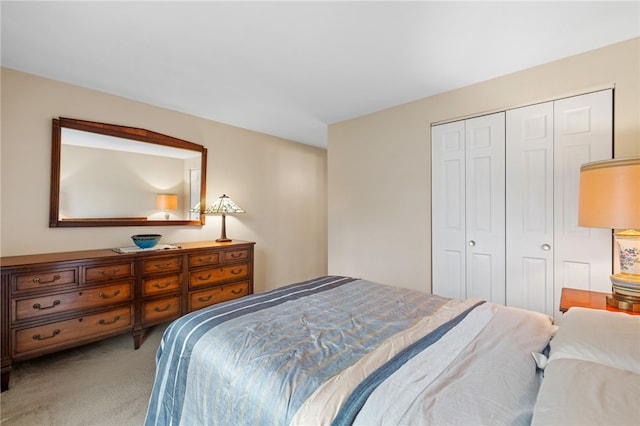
[(529, 221), (448, 201), (536, 287), (583, 133), (453, 275), (480, 279), (485, 223)]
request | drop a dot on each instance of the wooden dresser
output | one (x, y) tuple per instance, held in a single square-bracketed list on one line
[(56, 301)]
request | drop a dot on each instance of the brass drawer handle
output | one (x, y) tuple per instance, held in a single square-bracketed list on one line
[(166, 284), (103, 322), (107, 273), (236, 254), (208, 259), (40, 308), (166, 308), (38, 337), (160, 266), (237, 271), (204, 299), (104, 296), (238, 291), (201, 278), (37, 280)]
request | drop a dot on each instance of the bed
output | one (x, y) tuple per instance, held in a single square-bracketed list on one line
[(338, 350)]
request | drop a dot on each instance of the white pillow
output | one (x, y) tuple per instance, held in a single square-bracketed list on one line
[(605, 337), (576, 392)]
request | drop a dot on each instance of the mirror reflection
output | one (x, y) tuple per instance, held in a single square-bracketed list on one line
[(143, 178)]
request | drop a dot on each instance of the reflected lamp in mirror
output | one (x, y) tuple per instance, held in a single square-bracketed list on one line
[(167, 203), (610, 198), (223, 206)]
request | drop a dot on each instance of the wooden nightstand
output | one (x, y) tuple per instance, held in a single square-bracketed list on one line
[(587, 299)]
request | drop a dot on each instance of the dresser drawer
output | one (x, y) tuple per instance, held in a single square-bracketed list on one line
[(235, 255), (204, 259), (160, 284), (163, 264), (200, 299), (120, 270), (46, 279), (59, 333), (208, 276), (40, 306), (163, 309)]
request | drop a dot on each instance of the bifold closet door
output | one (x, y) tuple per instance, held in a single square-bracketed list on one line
[(485, 207), (468, 208), (529, 223), (448, 221), (546, 249), (583, 132)]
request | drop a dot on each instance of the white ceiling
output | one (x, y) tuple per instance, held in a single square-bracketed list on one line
[(290, 69)]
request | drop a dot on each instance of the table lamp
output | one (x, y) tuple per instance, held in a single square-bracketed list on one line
[(166, 203), (223, 205), (610, 198)]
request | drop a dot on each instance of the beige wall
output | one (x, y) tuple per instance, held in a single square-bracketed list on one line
[(379, 165), (281, 184)]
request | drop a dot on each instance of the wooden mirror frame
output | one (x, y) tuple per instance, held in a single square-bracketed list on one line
[(125, 132)]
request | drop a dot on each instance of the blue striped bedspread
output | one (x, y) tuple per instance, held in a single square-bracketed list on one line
[(257, 359)]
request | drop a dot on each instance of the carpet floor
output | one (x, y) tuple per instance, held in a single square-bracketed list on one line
[(104, 383)]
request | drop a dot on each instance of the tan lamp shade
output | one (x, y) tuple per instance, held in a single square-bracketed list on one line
[(610, 194), (166, 202)]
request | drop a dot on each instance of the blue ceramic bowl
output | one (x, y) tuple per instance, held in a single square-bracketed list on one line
[(146, 240)]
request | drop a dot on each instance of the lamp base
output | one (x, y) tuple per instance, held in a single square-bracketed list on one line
[(625, 292), (624, 304), (223, 240)]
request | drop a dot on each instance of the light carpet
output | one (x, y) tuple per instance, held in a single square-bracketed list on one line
[(104, 383)]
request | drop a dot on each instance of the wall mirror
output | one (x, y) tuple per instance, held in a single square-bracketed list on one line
[(111, 175)]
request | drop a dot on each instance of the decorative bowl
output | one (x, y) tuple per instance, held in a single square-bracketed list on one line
[(146, 240)]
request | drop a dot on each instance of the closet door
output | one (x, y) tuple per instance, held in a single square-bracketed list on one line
[(485, 207), (583, 133), (448, 210), (546, 249), (529, 189), (468, 208)]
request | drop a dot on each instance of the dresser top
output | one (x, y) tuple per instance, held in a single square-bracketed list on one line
[(33, 259)]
